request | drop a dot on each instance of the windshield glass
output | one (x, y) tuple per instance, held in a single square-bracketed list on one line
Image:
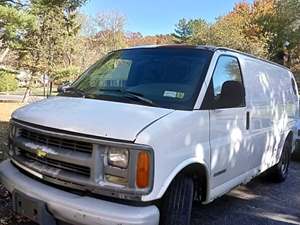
[(160, 77)]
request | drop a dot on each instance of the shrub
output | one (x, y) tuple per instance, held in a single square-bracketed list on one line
[(67, 74), (8, 81)]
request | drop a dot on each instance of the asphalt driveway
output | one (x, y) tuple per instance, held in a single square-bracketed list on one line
[(258, 203)]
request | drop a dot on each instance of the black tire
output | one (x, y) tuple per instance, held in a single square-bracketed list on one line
[(279, 172), (296, 155), (176, 208)]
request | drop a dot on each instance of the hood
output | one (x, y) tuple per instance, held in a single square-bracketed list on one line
[(93, 117)]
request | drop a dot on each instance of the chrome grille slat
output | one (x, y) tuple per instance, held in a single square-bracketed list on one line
[(57, 142), (53, 172), (85, 171), (78, 158)]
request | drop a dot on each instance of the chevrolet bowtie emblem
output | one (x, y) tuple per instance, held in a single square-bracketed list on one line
[(40, 153)]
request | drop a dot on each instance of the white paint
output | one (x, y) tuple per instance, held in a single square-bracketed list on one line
[(94, 117)]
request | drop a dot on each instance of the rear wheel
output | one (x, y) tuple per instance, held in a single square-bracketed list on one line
[(296, 154), (279, 172), (176, 208)]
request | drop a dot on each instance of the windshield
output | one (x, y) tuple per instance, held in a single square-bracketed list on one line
[(160, 77)]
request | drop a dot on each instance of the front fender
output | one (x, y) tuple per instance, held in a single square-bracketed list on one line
[(177, 170), (178, 140)]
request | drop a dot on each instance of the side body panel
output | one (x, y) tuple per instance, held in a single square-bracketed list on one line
[(272, 104)]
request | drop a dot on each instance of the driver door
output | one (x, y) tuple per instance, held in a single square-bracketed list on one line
[(228, 128)]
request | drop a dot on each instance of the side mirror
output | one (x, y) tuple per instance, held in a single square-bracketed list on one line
[(63, 88), (232, 95)]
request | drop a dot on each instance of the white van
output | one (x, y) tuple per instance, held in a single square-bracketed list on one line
[(145, 131)]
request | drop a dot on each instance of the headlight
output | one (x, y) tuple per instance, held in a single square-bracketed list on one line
[(130, 168), (118, 157)]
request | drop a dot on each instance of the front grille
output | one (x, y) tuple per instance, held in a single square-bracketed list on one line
[(82, 170), (50, 141), (75, 161), (60, 157)]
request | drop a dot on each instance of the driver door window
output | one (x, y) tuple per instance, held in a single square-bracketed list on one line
[(226, 72)]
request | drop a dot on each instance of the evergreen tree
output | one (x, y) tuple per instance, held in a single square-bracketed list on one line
[(183, 31)]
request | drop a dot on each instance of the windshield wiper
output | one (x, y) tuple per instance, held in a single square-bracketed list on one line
[(131, 95), (76, 91)]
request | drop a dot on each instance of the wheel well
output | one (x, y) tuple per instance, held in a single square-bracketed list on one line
[(198, 172)]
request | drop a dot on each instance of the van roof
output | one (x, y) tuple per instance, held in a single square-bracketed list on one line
[(209, 48), (206, 47)]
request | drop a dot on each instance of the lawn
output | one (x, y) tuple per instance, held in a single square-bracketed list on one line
[(6, 109)]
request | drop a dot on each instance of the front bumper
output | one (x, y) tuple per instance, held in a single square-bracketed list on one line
[(73, 208)]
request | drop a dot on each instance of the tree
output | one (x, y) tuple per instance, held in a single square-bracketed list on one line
[(67, 74), (51, 43), (134, 38), (200, 32), (283, 22), (14, 23), (110, 26), (183, 31), (87, 25), (99, 35), (8, 81), (137, 39), (237, 30)]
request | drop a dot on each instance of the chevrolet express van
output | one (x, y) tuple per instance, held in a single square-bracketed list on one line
[(145, 131)]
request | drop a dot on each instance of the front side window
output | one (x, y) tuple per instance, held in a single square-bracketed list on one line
[(227, 83), (162, 77)]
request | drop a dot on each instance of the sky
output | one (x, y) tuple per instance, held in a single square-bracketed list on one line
[(151, 17)]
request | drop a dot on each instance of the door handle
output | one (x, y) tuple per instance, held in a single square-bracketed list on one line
[(247, 120)]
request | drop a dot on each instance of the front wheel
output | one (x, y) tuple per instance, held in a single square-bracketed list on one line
[(176, 208)]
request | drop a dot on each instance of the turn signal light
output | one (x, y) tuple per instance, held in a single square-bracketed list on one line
[(143, 170)]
